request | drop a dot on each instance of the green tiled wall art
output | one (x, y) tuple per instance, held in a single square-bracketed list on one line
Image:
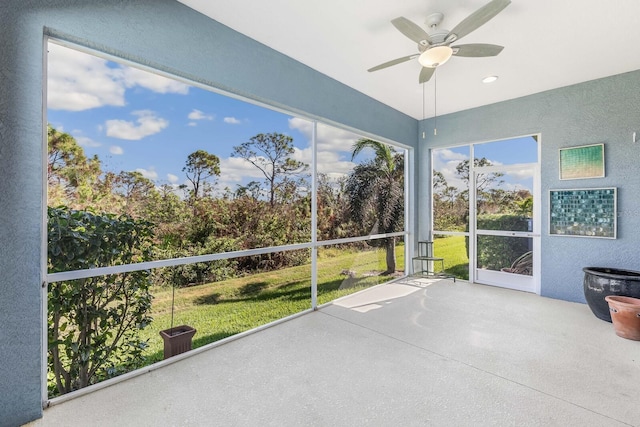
[(583, 212), (586, 161)]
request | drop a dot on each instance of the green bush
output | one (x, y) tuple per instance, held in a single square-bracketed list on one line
[(496, 252), (93, 323), (509, 222), (198, 273)]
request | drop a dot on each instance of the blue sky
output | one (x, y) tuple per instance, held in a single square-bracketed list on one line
[(135, 120)]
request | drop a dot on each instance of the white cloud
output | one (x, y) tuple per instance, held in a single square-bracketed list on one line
[(77, 81), (522, 174), (172, 178), (447, 154), (234, 170), (115, 149), (332, 163), (445, 162), (232, 120), (328, 137), (334, 147), (329, 162), (507, 186), (199, 115), (148, 173), (147, 123), (85, 141), (335, 176), (148, 80)]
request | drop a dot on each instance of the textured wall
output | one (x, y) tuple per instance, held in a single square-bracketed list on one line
[(21, 213), (604, 110), (162, 34)]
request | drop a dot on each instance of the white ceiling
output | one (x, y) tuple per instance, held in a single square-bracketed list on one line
[(548, 44)]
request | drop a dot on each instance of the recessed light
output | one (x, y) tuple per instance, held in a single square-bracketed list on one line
[(489, 79)]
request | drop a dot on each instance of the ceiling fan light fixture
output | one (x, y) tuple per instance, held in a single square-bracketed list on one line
[(435, 56)]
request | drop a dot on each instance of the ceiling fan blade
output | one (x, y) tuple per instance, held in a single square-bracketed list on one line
[(425, 74), (477, 19), (393, 62), (411, 30), (475, 50)]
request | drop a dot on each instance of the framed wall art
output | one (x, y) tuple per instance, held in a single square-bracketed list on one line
[(585, 161), (583, 212)]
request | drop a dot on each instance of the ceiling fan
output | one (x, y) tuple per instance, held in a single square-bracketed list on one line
[(435, 48)]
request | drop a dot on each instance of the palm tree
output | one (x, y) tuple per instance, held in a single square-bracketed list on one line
[(375, 191)]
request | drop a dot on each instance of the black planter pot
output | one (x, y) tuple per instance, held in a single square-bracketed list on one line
[(600, 282)]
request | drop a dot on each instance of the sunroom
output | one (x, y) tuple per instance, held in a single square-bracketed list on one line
[(463, 149)]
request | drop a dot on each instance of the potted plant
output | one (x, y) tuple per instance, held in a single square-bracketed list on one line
[(176, 339)]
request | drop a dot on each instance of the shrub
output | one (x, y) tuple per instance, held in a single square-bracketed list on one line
[(93, 323), (201, 272), (495, 252)]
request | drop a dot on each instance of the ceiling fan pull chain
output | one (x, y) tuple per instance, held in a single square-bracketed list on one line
[(423, 115), (435, 102)]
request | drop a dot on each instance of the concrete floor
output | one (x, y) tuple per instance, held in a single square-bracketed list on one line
[(402, 354)]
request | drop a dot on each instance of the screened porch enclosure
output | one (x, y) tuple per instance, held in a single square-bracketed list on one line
[(216, 224)]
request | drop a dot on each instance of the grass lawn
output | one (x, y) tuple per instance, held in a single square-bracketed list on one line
[(221, 309), (453, 250)]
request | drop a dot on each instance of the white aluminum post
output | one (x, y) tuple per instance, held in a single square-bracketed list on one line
[(44, 230), (473, 238), (314, 217), (409, 206)]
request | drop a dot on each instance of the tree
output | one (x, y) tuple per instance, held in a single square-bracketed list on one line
[(451, 202), (252, 189), (333, 217), (170, 215), (375, 190), (93, 323), (271, 154), (525, 205), (201, 166), (439, 182), (72, 177), (483, 180), (136, 189)]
